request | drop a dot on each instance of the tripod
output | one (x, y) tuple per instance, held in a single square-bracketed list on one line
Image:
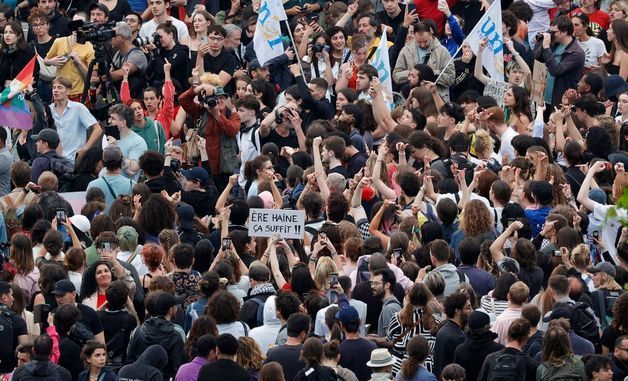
[(108, 92)]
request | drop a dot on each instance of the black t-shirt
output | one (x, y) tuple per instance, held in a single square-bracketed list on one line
[(222, 62), (355, 163), (121, 9), (339, 169), (19, 329), (42, 49), (281, 141), (115, 321), (393, 22), (289, 357), (90, 318), (223, 370)]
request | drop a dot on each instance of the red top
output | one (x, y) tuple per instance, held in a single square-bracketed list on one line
[(165, 115), (598, 20), (428, 9), (102, 298)]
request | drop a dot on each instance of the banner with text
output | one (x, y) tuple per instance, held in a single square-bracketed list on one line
[(288, 224)]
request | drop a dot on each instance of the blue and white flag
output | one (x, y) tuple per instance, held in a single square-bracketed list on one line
[(381, 62), (267, 40), (490, 26)]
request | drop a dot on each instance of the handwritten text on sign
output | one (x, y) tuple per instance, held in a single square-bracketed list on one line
[(289, 224)]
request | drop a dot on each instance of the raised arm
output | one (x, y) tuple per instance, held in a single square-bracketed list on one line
[(497, 247), (346, 18), (385, 191), (224, 196), (583, 193), (478, 73), (319, 170), (381, 112)]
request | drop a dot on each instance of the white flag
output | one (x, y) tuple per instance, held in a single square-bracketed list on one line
[(490, 26), (381, 62), (267, 40)]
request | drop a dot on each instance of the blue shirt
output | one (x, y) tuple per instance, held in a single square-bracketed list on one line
[(536, 218), (72, 127), (118, 184), (549, 86), (421, 374)]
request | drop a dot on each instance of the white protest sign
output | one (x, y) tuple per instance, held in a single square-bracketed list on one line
[(288, 224), (496, 89)]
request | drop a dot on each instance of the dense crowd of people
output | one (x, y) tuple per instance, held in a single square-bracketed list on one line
[(466, 233)]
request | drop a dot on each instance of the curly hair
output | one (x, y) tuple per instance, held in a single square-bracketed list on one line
[(484, 144), (224, 307), (157, 214), (202, 326), (161, 283), (477, 219), (620, 322), (250, 354), (524, 252), (89, 285), (50, 274)]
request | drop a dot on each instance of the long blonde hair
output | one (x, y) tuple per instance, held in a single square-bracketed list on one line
[(324, 267), (607, 282)]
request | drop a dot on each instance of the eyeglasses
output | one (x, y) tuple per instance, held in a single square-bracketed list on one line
[(37, 26), (376, 282)]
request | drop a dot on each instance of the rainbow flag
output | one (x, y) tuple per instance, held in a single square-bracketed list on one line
[(14, 111)]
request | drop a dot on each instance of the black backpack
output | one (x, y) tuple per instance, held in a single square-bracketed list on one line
[(604, 300), (116, 348), (63, 168), (584, 322), (507, 367), (6, 334)]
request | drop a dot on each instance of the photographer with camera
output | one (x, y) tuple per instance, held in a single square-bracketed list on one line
[(216, 118), (128, 53), (71, 59), (562, 56), (159, 10), (169, 50)]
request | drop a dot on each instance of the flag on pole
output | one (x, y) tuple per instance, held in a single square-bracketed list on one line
[(14, 111), (267, 40), (490, 26), (381, 62)]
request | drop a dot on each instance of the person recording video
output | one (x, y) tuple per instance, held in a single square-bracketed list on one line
[(164, 46)]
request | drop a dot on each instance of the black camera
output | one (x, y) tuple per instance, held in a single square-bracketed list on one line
[(155, 39), (175, 165), (93, 32), (318, 48), (539, 37), (211, 101)]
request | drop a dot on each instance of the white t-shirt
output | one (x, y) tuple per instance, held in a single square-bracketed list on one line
[(150, 27), (593, 49), (505, 147), (610, 226)]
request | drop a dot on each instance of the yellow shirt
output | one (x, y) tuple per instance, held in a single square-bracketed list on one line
[(62, 46)]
